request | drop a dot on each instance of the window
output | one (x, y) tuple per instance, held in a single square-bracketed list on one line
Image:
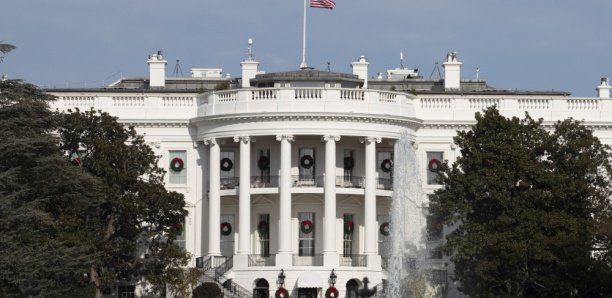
[(227, 234), (263, 229), (349, 226), (227, 168), (434, 228), (228, 181), (434, 160), (306, 240), (384, 162), (178, 167), (349, 164), (384, 242), (126, 292), (180, 239), (307, 164), (263, 164)]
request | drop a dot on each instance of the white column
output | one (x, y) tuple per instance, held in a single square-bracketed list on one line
[(370, 195), (244, 196), (329, 218), (284, 228), (214, 198)]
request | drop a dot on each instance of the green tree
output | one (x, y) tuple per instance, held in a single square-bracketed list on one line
[(527, 209), (138, 213), (45, 201)]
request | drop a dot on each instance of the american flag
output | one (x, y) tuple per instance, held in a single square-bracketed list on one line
[(329, 4)]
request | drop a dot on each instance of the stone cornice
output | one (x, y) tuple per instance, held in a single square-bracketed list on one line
[(260, 117), (172, 123)]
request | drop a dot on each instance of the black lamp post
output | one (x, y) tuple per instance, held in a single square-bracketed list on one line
[(365, 292), (281, 279), (332, 278)]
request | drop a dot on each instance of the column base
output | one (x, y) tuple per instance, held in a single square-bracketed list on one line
[(284, 260), (331, 260)]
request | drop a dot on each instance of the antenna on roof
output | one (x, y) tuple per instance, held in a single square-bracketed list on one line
[(436, 69), (328, 68), (401, 60), (250, 50), (477, 72), (177, 69)]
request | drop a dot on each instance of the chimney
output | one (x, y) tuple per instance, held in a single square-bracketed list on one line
[(249, 66), (360, 68), (157, 70), (452, 72), (603, 90)]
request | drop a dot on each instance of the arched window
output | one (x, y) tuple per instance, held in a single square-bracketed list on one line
[(261, 289), (352, 286)]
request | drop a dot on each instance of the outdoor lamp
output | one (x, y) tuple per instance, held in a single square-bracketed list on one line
[(332, 278), (281, 279)]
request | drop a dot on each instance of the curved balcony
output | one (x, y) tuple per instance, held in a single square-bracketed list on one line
[(323, 100), (306, 181)]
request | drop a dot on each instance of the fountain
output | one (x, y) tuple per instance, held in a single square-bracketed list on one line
[(408, 252)]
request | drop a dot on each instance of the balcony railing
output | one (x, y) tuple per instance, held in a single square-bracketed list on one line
[(262, 260), (350, 181), (308, 181), (264, 182), (354, 261), (230, 183), (384, 183), (316, 260)]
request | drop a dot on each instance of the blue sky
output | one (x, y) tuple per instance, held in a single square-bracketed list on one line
[(523, 44)]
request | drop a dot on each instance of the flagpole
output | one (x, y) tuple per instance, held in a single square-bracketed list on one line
[(304, 65)]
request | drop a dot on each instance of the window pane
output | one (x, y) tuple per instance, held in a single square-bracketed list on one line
[(433, 161), (177, 177), (306, 240)]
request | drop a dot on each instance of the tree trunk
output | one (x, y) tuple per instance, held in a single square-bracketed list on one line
[(97, 281)]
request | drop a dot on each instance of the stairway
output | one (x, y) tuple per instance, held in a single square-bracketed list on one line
[(217, 274)]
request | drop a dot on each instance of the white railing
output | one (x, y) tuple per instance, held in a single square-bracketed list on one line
[(583, 103), (128, 101), (436, 103), (483, 103), (351, 94), (230, 96), (533, 103), (387, 97), (311, 93), (77, 101), (334, 100), (178, 101), (264, 94)]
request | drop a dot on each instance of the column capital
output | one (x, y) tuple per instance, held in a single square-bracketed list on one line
[(244, 139), (370, 140), (326, 138), (287, 137), (210, 142)]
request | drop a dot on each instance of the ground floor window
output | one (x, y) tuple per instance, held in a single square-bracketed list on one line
[(261, 289), (349, 225), (263, 229), (126, 292)]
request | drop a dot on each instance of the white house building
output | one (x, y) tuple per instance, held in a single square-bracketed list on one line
[(292, 172)]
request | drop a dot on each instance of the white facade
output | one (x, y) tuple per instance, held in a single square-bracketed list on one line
[(328, 119)]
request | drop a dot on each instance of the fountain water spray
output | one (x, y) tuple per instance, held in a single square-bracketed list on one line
[(408, 251)]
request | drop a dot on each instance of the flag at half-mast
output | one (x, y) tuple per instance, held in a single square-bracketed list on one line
[(329, 4)]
